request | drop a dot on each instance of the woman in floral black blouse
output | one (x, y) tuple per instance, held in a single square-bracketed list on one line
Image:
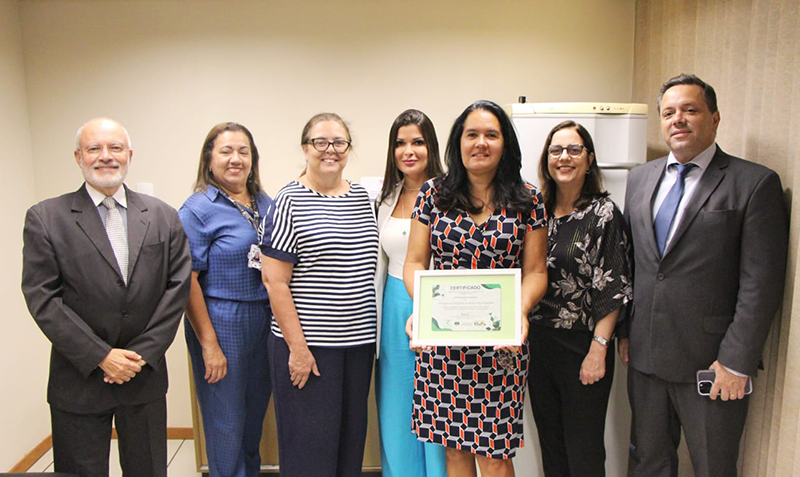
[(571, 368)]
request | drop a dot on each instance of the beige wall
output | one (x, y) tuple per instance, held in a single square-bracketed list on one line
[(23, 349), (169, 70)]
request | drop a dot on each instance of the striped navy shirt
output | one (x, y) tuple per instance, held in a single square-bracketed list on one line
[(333, 243)]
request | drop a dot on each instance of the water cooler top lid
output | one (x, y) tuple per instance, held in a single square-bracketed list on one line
[(523, 109)]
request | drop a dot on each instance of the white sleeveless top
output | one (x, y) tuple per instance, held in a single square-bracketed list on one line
[(394, 240)]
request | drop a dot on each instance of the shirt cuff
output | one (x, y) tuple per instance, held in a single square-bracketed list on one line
[(735, 373), (279, 254)]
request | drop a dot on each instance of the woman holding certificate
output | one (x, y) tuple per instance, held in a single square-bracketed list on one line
[(412, 159), (588, 284), (480, 215), (320, 251)]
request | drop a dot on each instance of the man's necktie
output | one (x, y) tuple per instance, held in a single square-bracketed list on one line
[(117, 236), (666, 214)]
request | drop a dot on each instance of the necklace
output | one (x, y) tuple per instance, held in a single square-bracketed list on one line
[(243, 203), (234, 199), (254, 219)]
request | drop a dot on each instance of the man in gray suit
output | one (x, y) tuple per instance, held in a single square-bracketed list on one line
[(106, 277), (710, 236)]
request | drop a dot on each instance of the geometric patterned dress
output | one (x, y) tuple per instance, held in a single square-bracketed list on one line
[(471, 398)]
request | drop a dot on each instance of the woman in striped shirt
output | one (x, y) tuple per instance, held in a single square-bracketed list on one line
[(319, 254)]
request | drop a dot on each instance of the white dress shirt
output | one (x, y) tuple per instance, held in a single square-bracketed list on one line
[(120, 197)]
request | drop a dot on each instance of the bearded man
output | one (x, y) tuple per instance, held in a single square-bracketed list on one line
[(106, 278)]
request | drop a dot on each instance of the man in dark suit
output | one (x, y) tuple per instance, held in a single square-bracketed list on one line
[(710, 235), (106, 277)]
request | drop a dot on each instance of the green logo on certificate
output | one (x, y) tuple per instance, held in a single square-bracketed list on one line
[(475, 307)]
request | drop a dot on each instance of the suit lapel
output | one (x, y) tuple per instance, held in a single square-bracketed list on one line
[(708, 183), (652, 180), (138, 223), (89, 221)]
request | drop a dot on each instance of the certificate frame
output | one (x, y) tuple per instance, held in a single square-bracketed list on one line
[(425, 329)]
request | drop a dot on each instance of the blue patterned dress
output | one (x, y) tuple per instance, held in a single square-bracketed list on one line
[(463, 397)]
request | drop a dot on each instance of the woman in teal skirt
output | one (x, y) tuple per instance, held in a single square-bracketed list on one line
[(412, 159)]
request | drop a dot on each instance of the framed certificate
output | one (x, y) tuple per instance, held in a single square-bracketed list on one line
[(467, 308)]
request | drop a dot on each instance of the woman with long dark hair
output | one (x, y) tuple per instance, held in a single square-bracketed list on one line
[(588, 285), (480, 215), (412, 158)]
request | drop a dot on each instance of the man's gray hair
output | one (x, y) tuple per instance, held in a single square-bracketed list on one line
[(80, 131)]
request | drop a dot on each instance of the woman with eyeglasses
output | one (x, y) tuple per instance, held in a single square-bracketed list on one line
[(319, 255), (480, 215), (228, 311), (412, 158), (572, 327)]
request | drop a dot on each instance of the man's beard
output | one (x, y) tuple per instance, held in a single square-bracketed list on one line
[(104, 181)]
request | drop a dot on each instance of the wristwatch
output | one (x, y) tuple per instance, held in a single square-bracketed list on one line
[(600, 340)]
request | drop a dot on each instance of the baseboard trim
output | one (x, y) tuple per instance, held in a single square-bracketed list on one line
[(179, 433), (34, 455), (172, 433)]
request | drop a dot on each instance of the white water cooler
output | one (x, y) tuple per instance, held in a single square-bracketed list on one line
[(619, 132)]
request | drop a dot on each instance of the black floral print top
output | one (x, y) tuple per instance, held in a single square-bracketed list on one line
[(588, 268)]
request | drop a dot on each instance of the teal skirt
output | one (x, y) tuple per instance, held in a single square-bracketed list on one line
[(401, 453)]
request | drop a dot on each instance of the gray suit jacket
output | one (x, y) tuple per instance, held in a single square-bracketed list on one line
[(720, 282), (74, 290)]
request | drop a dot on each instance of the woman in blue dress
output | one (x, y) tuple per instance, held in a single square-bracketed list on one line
[(412, 159), (228, 312), (480, 215)]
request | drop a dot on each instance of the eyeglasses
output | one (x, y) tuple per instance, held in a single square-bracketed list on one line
[(114, 149), (322, 144), (574, 150)]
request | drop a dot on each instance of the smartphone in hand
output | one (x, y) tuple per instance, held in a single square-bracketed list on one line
[(706, 377)]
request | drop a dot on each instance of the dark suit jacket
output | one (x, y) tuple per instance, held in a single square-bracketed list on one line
[(74, 290), (720, 282)]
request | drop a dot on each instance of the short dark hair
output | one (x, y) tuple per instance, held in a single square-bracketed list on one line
[(392, 176), (592, 184), (708, 91), (205, 177), (509, 188)]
